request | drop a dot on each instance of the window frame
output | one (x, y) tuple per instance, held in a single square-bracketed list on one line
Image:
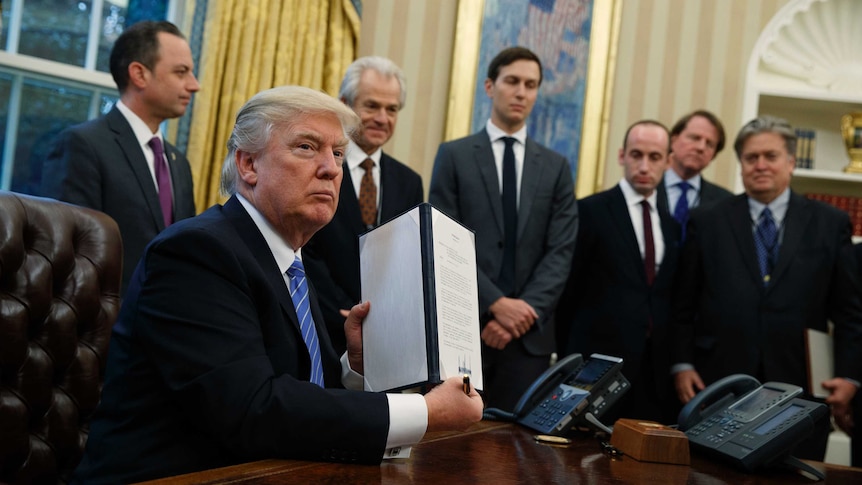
[(21, 66)]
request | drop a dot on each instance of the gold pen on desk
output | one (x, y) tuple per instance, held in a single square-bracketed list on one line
[(467, 384)]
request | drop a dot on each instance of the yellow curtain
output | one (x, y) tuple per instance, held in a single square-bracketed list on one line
[(252, 45)]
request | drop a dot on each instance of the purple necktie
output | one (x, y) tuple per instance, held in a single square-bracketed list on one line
[(163, 180)]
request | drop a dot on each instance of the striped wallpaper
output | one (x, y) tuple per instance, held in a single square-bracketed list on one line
[(673, 56)]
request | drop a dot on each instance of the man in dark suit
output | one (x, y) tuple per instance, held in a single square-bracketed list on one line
[(856, 431), (518, 197), (617, 300), (219, 354), (756, 271), (111, 163), (375, 88), (695, 140)]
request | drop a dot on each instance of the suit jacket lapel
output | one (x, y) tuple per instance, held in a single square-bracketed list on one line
[(795, 221), (483, 157), (670, 231), (740, 225), (661, 197), (348, 204), (171, 154), (125, 138), (255, 242), (390, 195), (253, 239), (622, 221), (530, 176)]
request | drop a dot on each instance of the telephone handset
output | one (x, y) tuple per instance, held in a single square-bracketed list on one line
[(557, 400), (546, 382), (749, 424)]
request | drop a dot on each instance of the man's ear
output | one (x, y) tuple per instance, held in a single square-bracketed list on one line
[(139, 75), (245, 167), (489, 87)]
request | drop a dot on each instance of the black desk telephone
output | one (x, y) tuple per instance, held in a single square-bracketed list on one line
[(748, 424), (563, 394)]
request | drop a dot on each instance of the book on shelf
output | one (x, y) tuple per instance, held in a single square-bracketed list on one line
[(820, 360), (850, 205), (805, 144), (419, 272)]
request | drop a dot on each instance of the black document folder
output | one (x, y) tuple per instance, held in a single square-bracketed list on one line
[(419, 273)]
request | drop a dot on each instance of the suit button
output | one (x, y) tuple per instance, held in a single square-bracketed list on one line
[(500, 244)]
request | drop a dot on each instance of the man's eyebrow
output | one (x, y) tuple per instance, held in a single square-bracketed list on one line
[(305, 135)]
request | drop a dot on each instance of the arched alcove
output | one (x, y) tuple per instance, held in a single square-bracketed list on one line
[(806, 67)]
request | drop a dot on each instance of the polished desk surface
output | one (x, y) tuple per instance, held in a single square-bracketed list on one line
[(501, 453)]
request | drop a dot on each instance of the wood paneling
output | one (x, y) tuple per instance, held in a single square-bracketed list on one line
[(674, 56)]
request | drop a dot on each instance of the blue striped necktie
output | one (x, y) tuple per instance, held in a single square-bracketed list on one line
[(299, 295)]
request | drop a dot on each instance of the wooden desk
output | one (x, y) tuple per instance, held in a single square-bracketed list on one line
[(500, 453)]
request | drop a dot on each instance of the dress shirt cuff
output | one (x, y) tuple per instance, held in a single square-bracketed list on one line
[(350, 379), (676, 368), (852, 381), (408, 421)]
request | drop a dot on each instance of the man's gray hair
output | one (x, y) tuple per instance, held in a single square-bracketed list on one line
[(277, 108), (766, 124), (350, 83)]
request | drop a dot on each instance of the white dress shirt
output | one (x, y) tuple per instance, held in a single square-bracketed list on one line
[(671, 186), (144, 135), (633, 203), (354, 158), (498, 146)]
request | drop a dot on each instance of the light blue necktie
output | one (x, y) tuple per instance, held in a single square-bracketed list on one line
[(766, 244), (299, 295)]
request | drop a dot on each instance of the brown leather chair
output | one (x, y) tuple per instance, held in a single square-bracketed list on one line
[(60, 269)]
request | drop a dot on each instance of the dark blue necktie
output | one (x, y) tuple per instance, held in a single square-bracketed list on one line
[(766, 244), (680, 212), (506, 281), (299, 295)]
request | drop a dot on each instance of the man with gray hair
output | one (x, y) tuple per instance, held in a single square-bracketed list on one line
[(219, 354), (756, 271), (375, 188)]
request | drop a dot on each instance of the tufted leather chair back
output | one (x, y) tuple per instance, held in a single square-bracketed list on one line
[(60, 269)]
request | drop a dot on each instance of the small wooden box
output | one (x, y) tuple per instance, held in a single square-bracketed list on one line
[(650, 441)]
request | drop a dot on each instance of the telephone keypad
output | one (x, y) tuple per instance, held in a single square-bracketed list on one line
[(549, 412), (727, 426)]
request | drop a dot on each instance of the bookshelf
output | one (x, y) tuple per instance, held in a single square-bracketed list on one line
[(805, 68)]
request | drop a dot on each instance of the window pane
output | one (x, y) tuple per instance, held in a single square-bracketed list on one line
[(119, 14), (55, 30), (146, 10), (46, 109), (5, 92), (106, 102), (6, 17), (114, 14)]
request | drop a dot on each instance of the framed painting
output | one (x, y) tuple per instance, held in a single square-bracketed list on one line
[(576, 41)]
